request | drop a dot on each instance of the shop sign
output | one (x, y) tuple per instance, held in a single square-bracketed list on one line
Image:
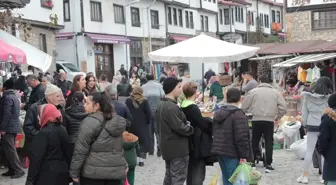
[(299, 3)]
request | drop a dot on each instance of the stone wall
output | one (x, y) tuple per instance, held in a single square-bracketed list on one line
[(299, 28), (34, 40)]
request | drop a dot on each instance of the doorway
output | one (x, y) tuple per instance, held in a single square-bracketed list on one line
[(104, 60)]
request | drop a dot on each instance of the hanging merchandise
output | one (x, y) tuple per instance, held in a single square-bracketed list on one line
[(316, 73)]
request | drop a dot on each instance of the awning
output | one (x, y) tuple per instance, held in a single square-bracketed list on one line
[(179, 38), (306, 59), (229, 3), (65, 36), (108, 39), (35, 57), (270, 57), (291, 47)]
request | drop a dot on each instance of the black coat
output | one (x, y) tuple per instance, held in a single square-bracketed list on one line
[(36, 95), (231, 133), (73, 117), (327, 144), (140, 125), (124, 90), (200, 142), (123, 111), (51, 157), (10, 112), (64, 85), (20, 84)]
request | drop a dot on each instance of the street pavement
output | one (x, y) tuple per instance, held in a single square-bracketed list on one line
[(287, 169)]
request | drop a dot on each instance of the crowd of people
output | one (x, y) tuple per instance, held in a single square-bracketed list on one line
[(91, 131)]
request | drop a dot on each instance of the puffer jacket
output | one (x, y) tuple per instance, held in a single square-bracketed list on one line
[(74, 115), (10, 112), (99, 155), (313, 106), (230, 133), (131, 147)]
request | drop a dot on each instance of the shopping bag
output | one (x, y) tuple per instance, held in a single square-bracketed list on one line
[(291, 129), (126, 182), (241, 176), (299, 148), (214, 180)]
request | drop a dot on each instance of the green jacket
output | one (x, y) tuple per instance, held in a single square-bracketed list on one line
[(130, 153), (216, 90)]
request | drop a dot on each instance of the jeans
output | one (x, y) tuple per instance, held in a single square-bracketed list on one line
[(266, 129), (228, 165), (196, 171), (154, 130), (176, 171)]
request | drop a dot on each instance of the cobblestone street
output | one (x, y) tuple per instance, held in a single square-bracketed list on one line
[(288, 168)]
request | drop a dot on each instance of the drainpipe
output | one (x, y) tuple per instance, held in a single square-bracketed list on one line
[(166, 23), (231, 18), (149, 31), (81, 30), (247, 26)]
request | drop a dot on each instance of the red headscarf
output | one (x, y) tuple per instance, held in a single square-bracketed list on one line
[(50, 114)]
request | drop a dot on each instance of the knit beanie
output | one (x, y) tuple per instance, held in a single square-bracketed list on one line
[(332, 100), (51, 89), (9, 84), (170, 83)]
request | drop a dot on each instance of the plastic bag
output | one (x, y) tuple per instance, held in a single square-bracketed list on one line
[(299, 148), (291, 129), (215, 179), (279, 137), (241, 176)]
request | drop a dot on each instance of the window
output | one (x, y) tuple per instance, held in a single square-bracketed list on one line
[(66, 10), (226, 16), (119, 14), (135, 16), (96, 12), (273, 16), (214, 1), (278, 17), (187, 19), (241, 15), (249, 17), (206, 23), (252, 18), (175, 16), (266, 19), (191, 20), (155, 19), (202, 23), (261, 21), (232, 13), (236, 13), (324, 19), (47, 3), (220, 16), (43, 42), (169, 16), (180, 17)]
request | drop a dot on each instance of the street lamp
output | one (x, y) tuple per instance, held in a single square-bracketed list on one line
[(130, 2)]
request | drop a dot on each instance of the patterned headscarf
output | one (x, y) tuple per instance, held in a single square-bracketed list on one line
[(137, 96)]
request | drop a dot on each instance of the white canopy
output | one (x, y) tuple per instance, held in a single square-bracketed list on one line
[(35, 57), (203, 49)]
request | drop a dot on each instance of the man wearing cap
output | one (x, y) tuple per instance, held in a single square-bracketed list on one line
[(174, 132), (31, 125)]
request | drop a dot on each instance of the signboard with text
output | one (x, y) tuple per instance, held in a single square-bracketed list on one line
[(300, 3)]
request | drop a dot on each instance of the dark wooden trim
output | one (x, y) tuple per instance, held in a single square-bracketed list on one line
[(309, 8)]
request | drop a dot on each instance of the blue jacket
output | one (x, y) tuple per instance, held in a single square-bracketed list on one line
[(10, 113)]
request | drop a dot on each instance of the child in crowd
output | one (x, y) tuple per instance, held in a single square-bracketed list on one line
[(131, 146)]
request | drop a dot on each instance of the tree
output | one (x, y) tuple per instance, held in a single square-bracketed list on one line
[(8, 21)]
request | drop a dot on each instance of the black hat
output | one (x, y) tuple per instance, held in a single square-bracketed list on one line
[(332, 100), (170, 83), (9, 84)]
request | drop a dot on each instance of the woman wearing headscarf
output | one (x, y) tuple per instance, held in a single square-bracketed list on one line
[(103, 82), (51, 150), (216, 89), (117, 78), (139, 108)]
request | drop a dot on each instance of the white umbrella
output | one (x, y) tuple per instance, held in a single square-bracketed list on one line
[(203, 49)]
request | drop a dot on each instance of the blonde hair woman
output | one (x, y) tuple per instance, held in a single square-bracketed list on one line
[(139, 108)]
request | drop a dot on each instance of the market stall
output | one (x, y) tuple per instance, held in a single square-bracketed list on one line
[(203, 49)]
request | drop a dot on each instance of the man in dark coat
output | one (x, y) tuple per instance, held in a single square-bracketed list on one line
[(231, 135), (37, 92), (63, 83), (31, 126), (327, 141), (10, 125), (174, 132), (123, 71), (21, 84)]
